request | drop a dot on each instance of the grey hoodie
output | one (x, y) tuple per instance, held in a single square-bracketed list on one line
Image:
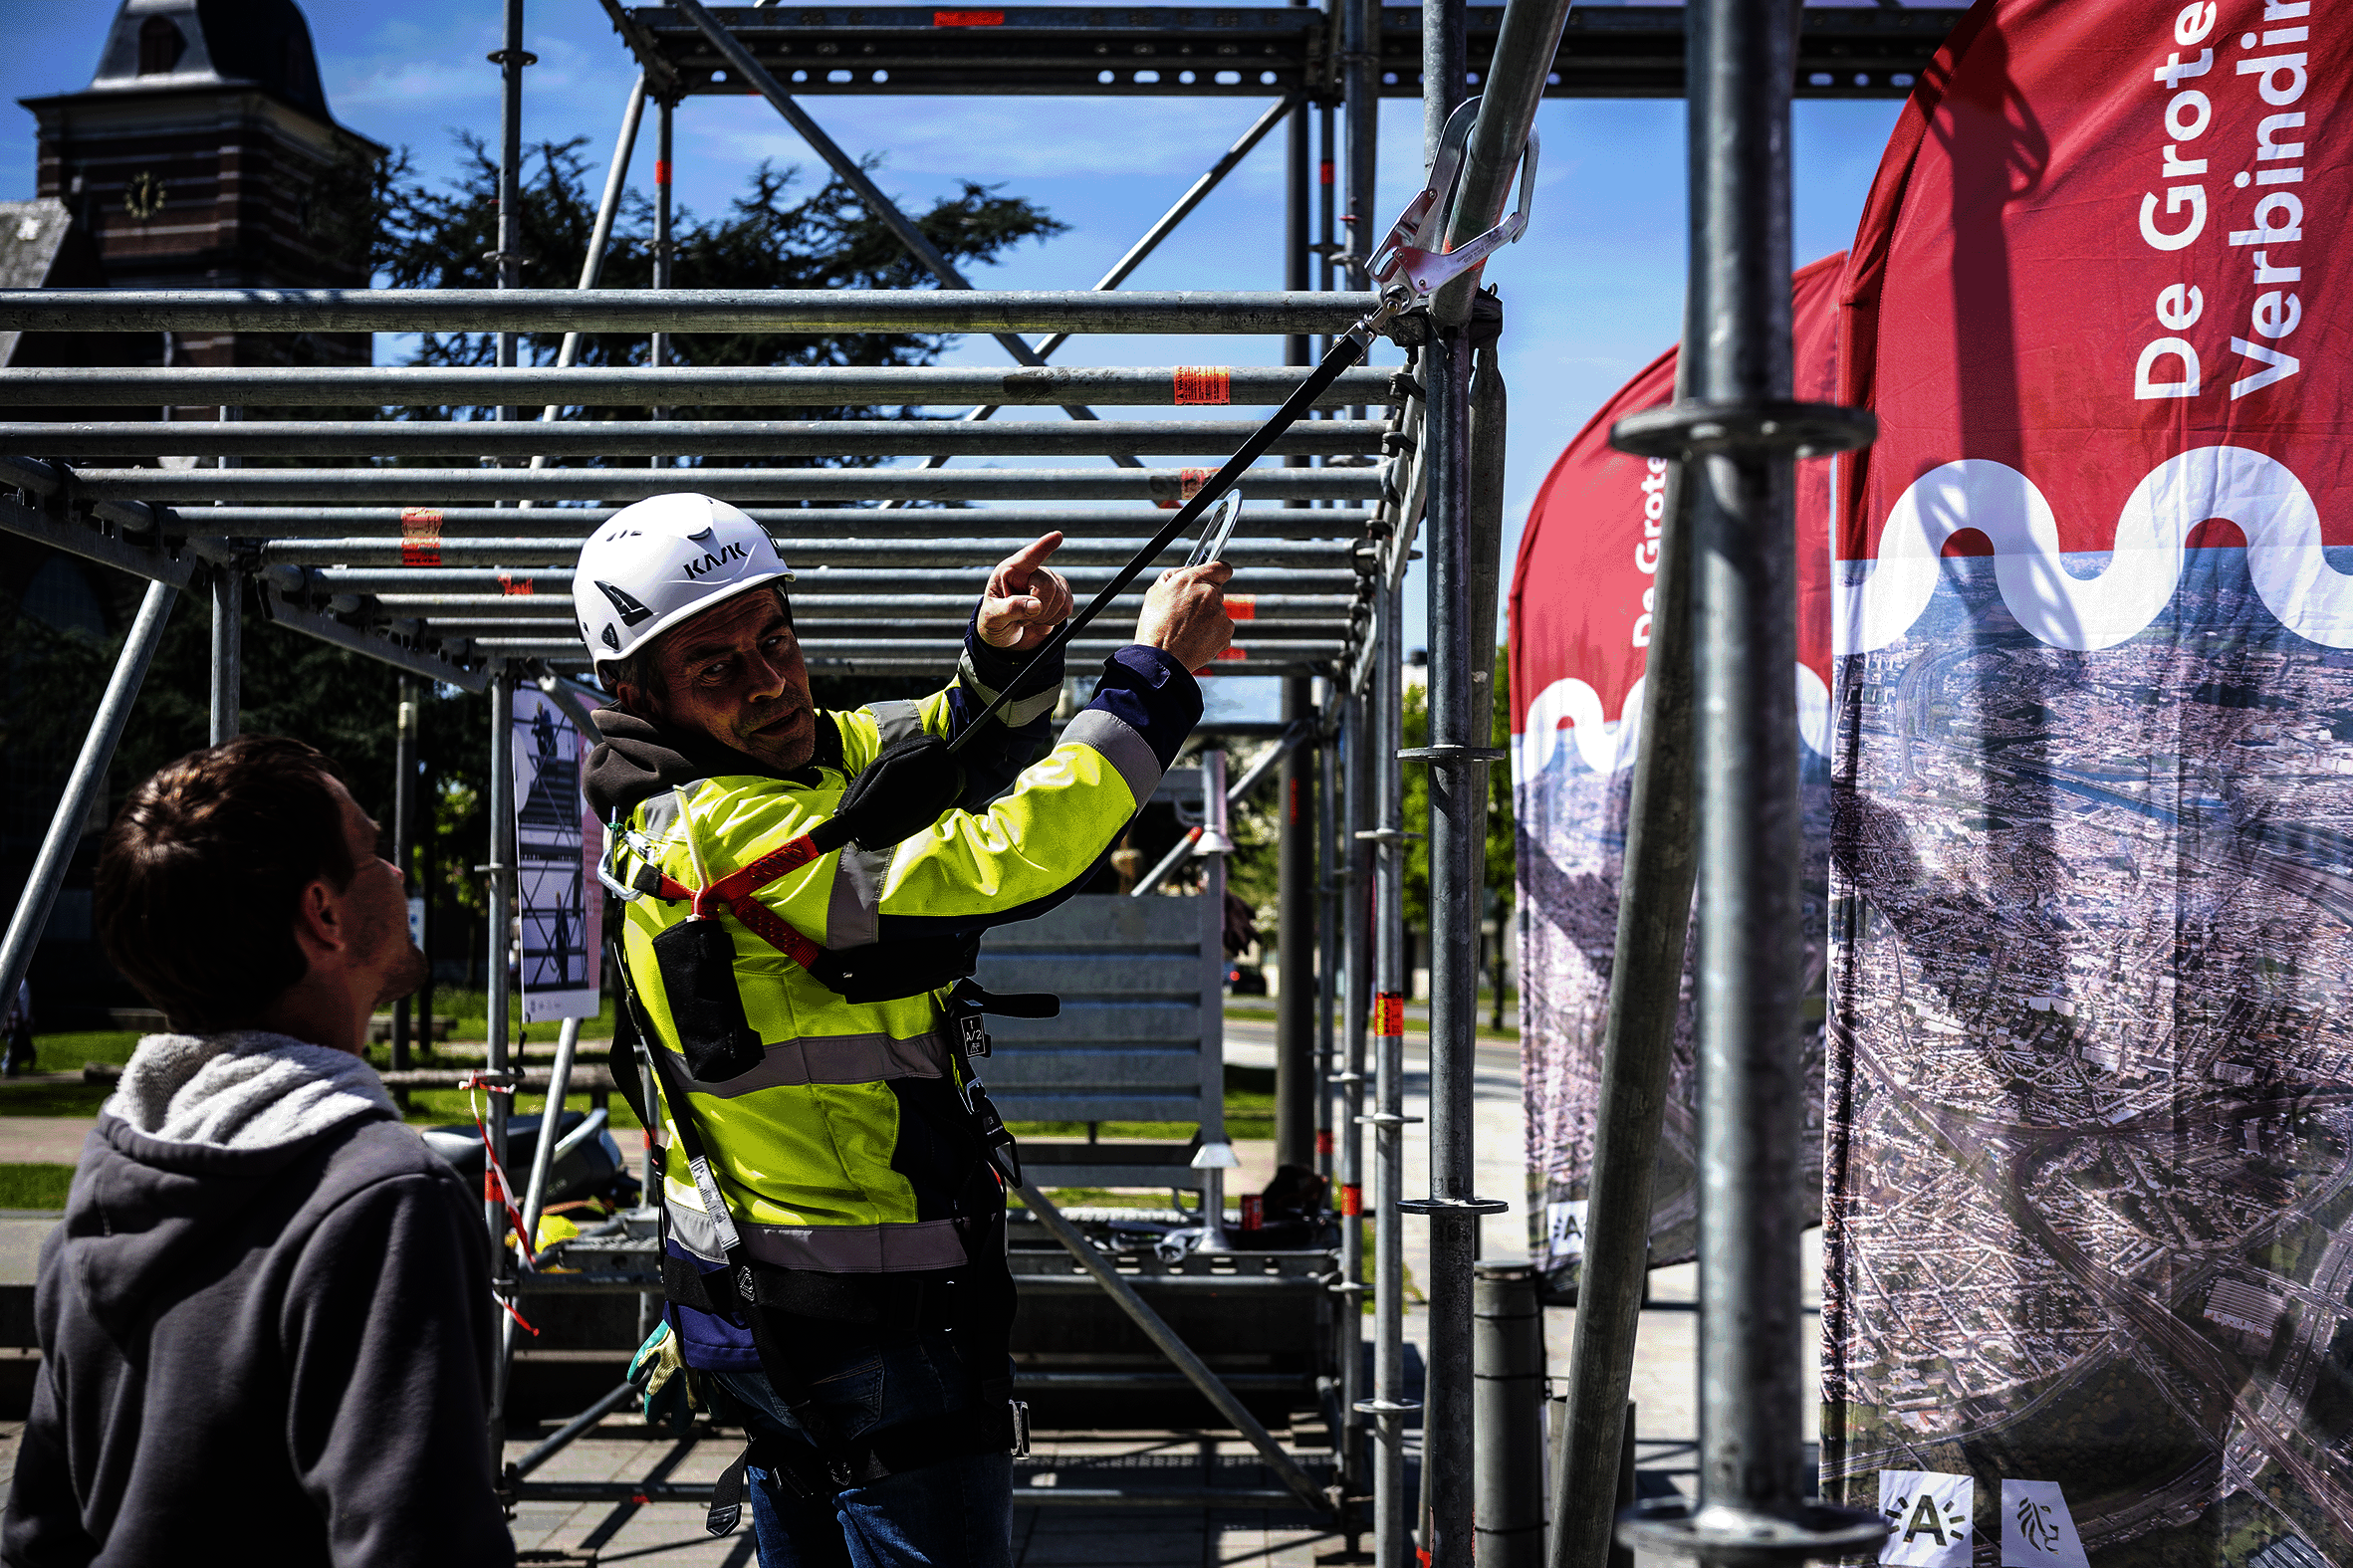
[(263, 1327)]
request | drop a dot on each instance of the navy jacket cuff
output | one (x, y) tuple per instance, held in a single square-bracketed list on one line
[(1153, 695)]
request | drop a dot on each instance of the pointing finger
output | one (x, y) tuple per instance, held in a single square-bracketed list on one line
[(1032, 553)]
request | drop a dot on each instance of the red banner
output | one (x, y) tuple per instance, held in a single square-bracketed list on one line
[(1581, 607), (2090, 1142)]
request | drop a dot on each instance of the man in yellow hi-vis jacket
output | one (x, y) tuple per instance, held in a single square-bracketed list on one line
[(805, 892)]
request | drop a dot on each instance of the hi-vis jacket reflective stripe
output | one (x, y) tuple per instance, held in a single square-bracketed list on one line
[(847, 1146)]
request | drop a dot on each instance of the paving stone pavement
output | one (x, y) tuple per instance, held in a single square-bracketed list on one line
[(1044, 1536)]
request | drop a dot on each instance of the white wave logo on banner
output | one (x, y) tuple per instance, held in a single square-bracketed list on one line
[(2258, 493), (1606, 746)]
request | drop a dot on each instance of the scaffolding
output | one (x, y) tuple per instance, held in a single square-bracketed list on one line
[(437, 571)]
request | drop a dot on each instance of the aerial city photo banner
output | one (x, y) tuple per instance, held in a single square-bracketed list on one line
[(2089, 1120), (558, 842), (1582, 605)]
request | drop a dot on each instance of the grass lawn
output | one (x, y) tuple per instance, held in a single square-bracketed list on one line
[(471, 1009), (449, 1107), (34, 1186), (1250, 1092), (67, 1052)]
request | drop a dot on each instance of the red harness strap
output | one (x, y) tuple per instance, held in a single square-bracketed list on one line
[(761, 922), (733, 893)]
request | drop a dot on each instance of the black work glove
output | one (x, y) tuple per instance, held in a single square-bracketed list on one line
[(903, 791)]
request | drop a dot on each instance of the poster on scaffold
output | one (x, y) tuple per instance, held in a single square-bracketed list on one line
[(1581, 603), (557, 843), (2089, 1142)]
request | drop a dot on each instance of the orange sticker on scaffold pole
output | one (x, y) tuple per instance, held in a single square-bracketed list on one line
[(1389, 1014), (1351, 1199), (1189, 482), (1204, 383), (420, 537)]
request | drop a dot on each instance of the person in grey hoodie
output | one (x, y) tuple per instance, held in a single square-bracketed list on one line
[(264, 1320)]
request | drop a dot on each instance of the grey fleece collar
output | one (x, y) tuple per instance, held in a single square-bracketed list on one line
[(246, 1089)]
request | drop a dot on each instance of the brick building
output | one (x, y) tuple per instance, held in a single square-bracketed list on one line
[(202, 154)]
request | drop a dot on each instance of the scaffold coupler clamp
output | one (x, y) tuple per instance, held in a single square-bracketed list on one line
[(1408, 265)]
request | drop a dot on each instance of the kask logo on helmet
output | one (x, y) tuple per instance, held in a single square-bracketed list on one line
[(714, 560)]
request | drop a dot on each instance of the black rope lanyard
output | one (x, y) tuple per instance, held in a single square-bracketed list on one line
[(1343, 354)]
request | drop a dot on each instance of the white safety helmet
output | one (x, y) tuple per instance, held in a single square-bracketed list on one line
[(661, 561)]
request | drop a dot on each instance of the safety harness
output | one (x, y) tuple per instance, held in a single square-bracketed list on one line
[(759, 1294), (697, 960), (696, 956)]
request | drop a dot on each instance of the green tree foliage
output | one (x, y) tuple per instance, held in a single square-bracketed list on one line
[(771, 237)]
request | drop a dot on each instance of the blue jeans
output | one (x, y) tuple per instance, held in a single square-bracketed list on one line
[(957, 1513)]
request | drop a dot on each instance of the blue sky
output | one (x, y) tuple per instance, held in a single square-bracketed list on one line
[(1591, 294)]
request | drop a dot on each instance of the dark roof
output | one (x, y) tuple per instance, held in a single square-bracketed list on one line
[(32, 237), (180, 44)]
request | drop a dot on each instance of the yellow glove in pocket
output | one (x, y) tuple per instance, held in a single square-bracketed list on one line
[(667, 1387)]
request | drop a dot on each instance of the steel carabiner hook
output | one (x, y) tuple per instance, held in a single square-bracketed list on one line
[(1409, 249)]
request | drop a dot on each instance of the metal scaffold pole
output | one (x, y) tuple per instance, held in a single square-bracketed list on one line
[(636, 386), (657, 350), (500, 885), (85, 786), (404, 737), (1458, 777), (225, 589), (1294, 896), (1752, 964), (1355, 903), (1298, 242), (1445, 64), (1509, 1358), (1456, 759), (1327, 208), (511, 58), (1393, 1538), (1463, 437), (608, 206), (1360, 37), (1637, 1057), (1328, 929), (227, 592), (1740, 428)]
